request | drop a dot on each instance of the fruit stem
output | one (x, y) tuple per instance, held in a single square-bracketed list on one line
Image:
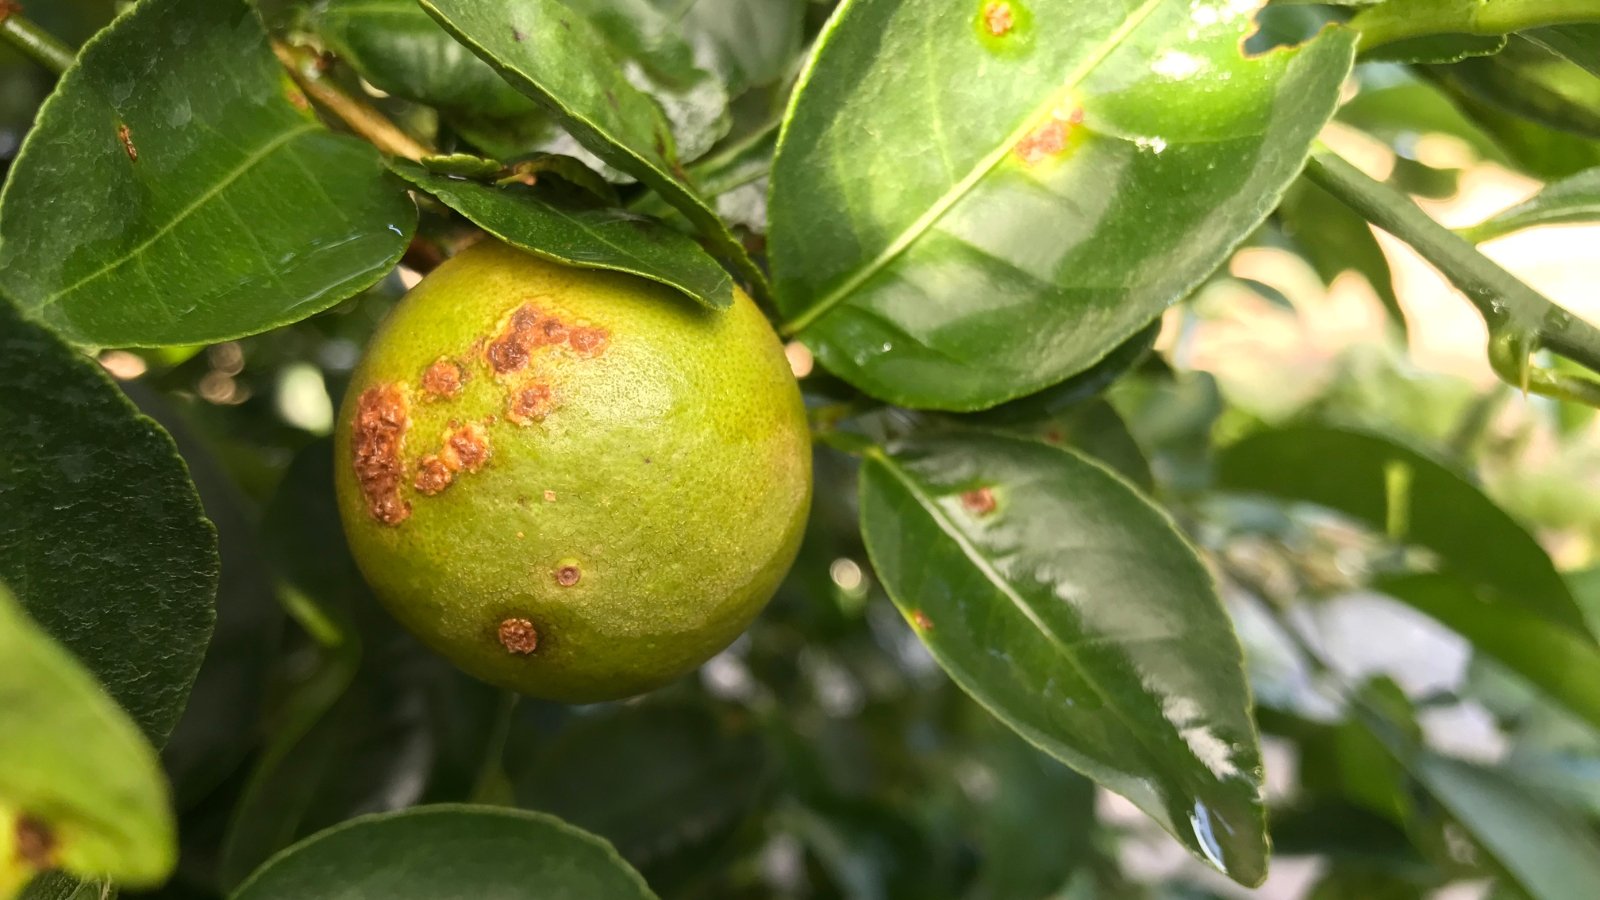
[(35, 43), (305, 67)]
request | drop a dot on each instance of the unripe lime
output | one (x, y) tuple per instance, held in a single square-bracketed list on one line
[(571, 483)]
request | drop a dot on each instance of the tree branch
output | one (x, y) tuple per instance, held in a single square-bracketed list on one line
[(1521, 320), (359, 115), (34, 42), (1399, 20)]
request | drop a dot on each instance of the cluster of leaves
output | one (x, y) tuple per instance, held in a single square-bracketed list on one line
[(973, 215)]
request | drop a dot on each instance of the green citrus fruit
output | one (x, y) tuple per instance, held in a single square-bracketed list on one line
[(571, 483)]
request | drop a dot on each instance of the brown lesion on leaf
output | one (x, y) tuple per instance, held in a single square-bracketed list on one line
[(568, 574), (1049, 138), (530, 403), (126, 137), (998, 18), (378, 440), (518, 636), (921, 620), (36, 843), (443, 379), (979, 501)]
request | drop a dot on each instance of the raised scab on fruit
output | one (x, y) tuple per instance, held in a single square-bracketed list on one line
[(518, 636), (527, 329), (433, 475), (378, 440), (530, 403), (443, 379), (466, 447)]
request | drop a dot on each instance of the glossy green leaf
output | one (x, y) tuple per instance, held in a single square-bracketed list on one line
[(1415, 498), (1072, 609), (961, 217), (659, 61), (80, 787), (1090, 426), (546, 51), (448, 853), (1438, 49), (1335, 240), (399, 48), (1580, 44), (748, 44), (1573, 199), (173, 192), (1548, 852), (101, 534), (1530, 81), (582, 234), (1565, 666)]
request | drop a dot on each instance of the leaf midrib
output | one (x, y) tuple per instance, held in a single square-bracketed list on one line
[(960, 189), (993, 576), (194, 206)]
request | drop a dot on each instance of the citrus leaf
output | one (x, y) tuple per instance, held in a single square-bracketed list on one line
[(593, 237), (400, 49), (1529, 81), (748, 44), (101, 534), (177, 189), (1572, 199), (1578, 43), (80, 787), (973, 202), (1547, 851), (1072, 609), (547, 51), (1418, 500), (448, 853), (1565, 666)]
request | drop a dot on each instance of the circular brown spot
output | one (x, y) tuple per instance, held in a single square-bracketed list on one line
[(568, 574), (921, 620), (443, 379), (549, 496), (979, 501), (36, 842), (997, 17), (518, 636)]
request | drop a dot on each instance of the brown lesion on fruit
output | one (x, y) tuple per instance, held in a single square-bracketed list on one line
[(36, 843), (530, 403), (433, 475), (126, 138), (568, 573), (466, 447), (528, 329), (979, 501), (518, 636), (443, 379), (378, 440), (1050, 138), (998, 18)]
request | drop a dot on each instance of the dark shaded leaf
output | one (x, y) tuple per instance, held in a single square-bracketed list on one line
[(399, 48), (448, 853), (1580, 44), (583, 235), (1354, 473), (1073, 610), (101, 534), (173, 192), (544, 50), (1036, 158), (1530, 81)]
